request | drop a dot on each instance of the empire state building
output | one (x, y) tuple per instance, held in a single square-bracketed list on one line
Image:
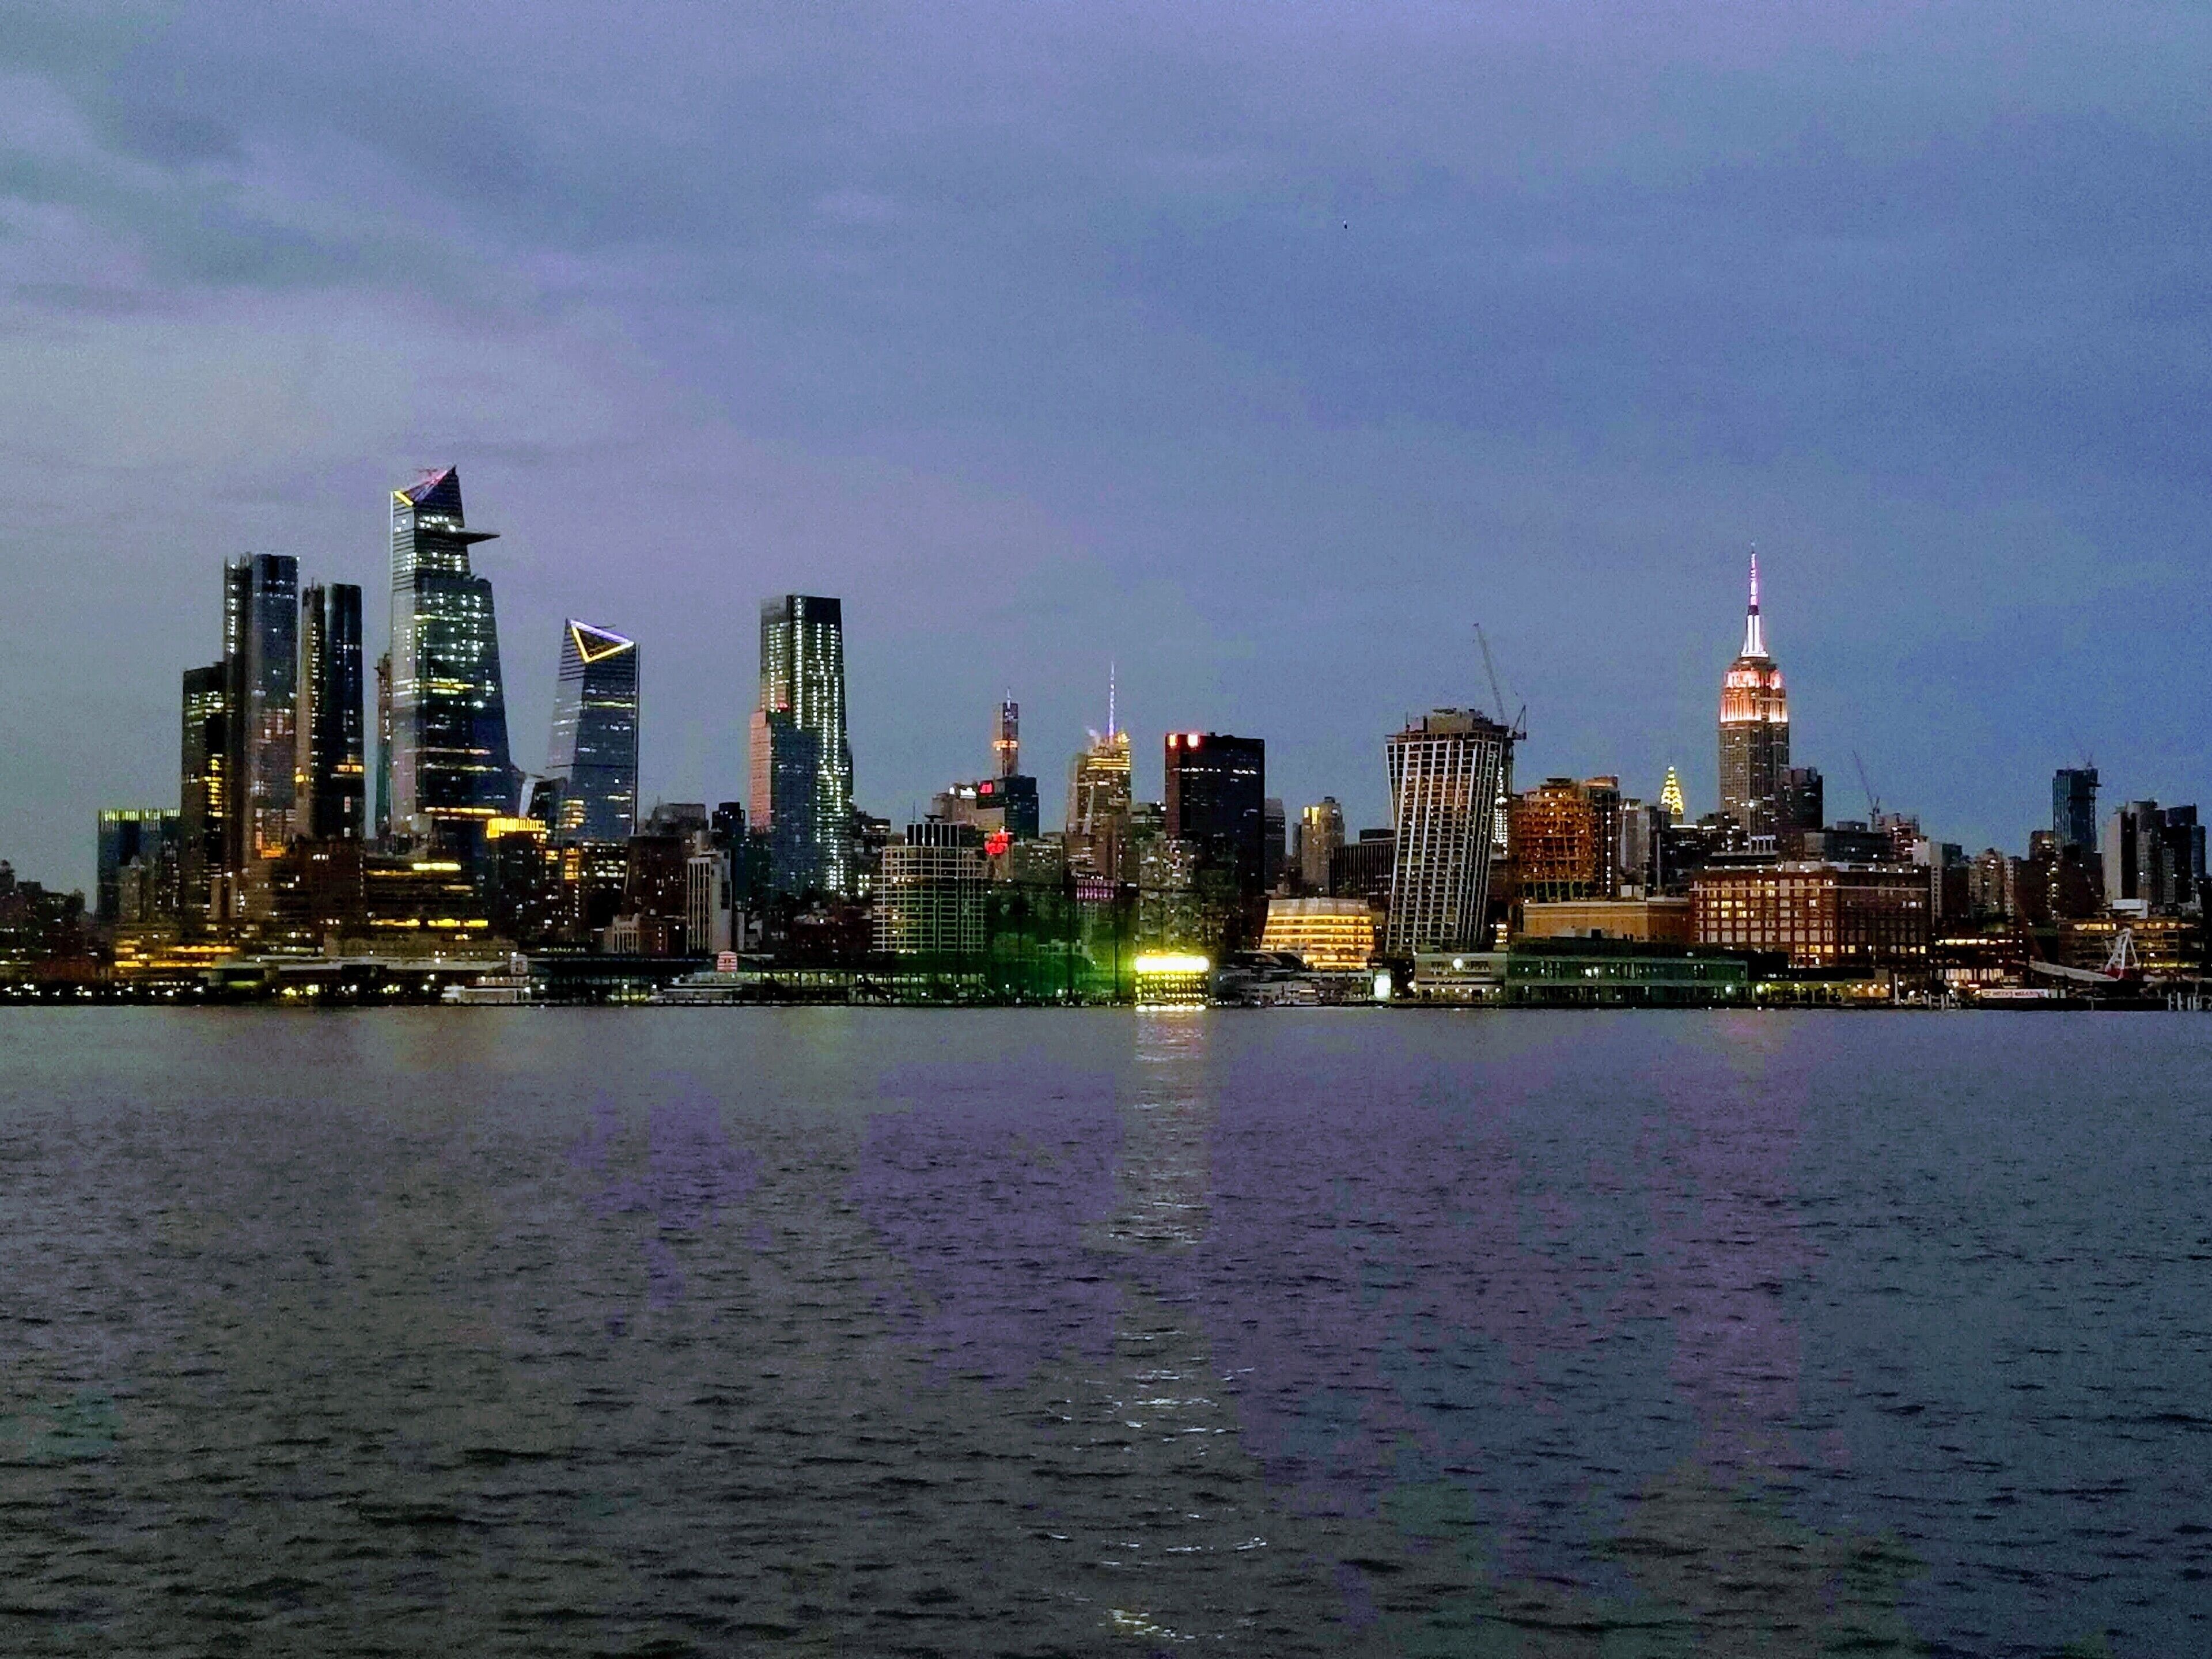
[(1754, 728)]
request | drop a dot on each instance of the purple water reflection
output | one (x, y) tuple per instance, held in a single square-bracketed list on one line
[(693, 1173)]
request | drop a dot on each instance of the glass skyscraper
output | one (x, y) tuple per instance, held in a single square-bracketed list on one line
[(332, 770), (591, 761), (449, 768), (202, 791), (802, 761), (261, 664)]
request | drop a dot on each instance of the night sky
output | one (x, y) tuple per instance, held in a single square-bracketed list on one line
[(1262, 350)]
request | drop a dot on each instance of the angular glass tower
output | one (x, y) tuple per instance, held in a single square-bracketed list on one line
[(449, 765), (591, 761), (802, 762), (332, 766)]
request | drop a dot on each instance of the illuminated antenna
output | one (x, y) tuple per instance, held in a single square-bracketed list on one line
[(1754, 632), (1110, 727)]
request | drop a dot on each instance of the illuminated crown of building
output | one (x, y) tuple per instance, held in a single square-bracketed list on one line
[(1670, 796), (1751, 693)]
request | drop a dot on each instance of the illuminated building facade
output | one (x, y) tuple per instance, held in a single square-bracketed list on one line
[(447, 755), (332, 777), (1329, 935), (929, 897), (1559, 846), (802, 758), (261, 665), (1754, 731), (1822, 915), (1099, 805), (204, 793), (1319, 833), (591, 761), (1445, 769), (138, 864)]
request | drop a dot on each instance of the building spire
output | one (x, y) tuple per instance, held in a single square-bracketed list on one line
[(1110, 727), (1755, 635)]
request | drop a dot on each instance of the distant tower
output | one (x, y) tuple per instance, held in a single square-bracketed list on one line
[(802, 758), (261, 665), (1754, 728), (1670, 797), (2073, 808), (332, 778), (1007, 745), (592, 760)]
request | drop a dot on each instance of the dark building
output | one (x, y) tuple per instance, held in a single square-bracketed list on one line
[(261, 666), (447, 757), (202, 774), (1274, 843), (2073, 808), (802, 757), (1754, 731), (2153, 857), (139, 860), (1216, 800), (1361, 869), (592, 763), (333, 754), (1802, 801)]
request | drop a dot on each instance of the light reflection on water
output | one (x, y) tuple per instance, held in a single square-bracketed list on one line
[(1306, 1331)]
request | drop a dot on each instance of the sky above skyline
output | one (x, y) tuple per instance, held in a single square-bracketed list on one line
[(1262, 352)]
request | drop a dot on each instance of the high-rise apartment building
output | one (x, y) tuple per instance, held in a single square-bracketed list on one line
[(447, 755), (802, 757), (929, 895), (2073, 807), (1319, 833), (203, 795), (1217, 795), (261, 668), (1754, 731), (331, 785), (591, 763), (1445, 769)]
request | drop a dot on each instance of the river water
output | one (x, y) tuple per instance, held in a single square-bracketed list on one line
[(869, 1332)]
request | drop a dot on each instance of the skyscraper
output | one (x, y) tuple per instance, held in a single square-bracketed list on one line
[(1320, 832), (2073, 807), (1754, 728), (448, 755), (1006, 740), (1445, 769), (332, 774), (592, 760), (1670, 798), (802, 759), (1098, 804), (1216, 795), (203, 793), (261, 668), (138, 865)]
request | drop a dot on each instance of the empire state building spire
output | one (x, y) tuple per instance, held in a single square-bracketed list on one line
[(1754, 636)]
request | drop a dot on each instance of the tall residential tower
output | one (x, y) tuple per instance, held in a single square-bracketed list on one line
[(1445, 772), (802, 758)]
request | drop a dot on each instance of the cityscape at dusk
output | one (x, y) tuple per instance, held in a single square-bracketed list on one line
[(1342, 832)]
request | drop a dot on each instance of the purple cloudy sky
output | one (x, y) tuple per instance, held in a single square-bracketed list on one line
[(1262, 348)]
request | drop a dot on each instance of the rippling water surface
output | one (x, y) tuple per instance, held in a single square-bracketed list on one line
[(832, 1331)]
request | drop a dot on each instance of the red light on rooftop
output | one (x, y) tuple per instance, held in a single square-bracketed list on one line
[(997, 842)]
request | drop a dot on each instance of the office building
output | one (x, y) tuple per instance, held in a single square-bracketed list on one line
[(1821, 915), (1445, 772), (138, 860), (1319, 833), (2154, 859), (1801, 801), (1217, 801), (1754, 728), (802, 757), (1329, 935), (2073, 807), (1361, 869), (1274, 830), (204, 797), (449, 770), (332, 777), (591, 764), (1098, 807), (929, 895), (1671, 799), (261, 667)]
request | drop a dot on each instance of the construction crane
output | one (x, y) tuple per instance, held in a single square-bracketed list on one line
[(1517, 727), (1873, 801)]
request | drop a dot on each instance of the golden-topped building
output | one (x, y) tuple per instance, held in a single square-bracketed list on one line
[(1754, 728)]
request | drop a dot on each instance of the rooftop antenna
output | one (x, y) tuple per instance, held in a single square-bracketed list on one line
[(1110, 727)]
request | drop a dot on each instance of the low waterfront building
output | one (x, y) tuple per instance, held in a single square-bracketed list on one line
[(1663, 920), (1624, 973), (1819, 915), (1329, 935)]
